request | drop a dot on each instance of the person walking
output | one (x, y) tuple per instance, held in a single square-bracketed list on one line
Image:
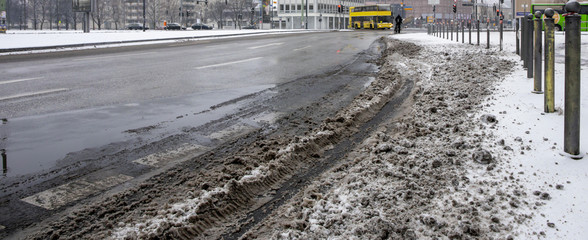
[(398, 24)]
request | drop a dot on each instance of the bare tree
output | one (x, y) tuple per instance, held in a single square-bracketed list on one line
[(238, 9), (154, 12), (100, 13), (215, 11)]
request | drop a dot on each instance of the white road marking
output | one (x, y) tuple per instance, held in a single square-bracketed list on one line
[(267, 45), (298, 49), (159, 159), (20, 80), (229, 63), (238, 129), (62, 195), (115, 56), (30, 94)]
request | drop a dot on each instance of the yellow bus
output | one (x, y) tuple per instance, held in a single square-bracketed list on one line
[(377, 16)]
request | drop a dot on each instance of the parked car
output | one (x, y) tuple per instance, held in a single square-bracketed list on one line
[(200, 26), (250, 27), (174, 26), (136, 26)]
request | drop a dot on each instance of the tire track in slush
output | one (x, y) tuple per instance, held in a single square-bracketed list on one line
[(389, 111)]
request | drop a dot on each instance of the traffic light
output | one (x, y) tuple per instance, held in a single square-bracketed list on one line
[(433, 8), (454, 8), (339, 8), (497, 13)]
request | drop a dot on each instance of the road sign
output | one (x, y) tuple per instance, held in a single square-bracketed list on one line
[(408, 8), (434, 2), (522, 14)]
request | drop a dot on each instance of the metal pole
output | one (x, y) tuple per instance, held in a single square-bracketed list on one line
[(457, 31), (537, 48), (517, 36), (572, 80), (501, 18), (470, 30), (478, 29), (549, 61), (451, 26), (462, 32), (524, 41), (488, 34), (306, 17), (530, 46), (144, 17)]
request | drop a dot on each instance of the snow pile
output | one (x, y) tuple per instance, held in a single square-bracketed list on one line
[(430, 174)]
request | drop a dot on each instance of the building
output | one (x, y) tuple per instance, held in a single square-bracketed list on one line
[(322, 14)]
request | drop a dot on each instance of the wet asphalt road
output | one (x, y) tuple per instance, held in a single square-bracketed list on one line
[(76, 118), (65, 102)]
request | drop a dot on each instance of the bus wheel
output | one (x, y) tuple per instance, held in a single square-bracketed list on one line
[(558, 27)]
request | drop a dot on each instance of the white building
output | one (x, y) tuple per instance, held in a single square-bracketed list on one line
[(322, 14)]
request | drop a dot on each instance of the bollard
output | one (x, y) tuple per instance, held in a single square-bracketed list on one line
[(451, 31), (470, 30), (462, 33), (572, 80), (549, 61), (488, 34), (537, 52), (478, 27), (501, 32), (529, 39), (517, 36), (457, 32), (524, 41)]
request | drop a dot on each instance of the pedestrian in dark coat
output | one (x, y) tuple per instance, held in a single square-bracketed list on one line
[(398, 24)]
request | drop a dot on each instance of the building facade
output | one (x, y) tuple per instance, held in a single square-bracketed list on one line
[(321, 14)]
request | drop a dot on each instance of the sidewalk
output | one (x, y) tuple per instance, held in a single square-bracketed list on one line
[(532, 142)]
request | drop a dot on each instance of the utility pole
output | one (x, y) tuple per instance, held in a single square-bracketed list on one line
[(143, 15), (306, 18)]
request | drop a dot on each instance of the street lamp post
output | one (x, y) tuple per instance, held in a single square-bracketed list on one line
[(143, 15)]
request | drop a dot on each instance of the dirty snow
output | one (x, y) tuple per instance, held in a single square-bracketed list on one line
[(471, 157)]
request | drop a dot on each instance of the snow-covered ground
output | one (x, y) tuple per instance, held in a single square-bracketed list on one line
[(31, 39), (528, 140), (537, 140)]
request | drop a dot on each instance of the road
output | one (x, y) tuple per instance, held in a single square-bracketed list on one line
[(93, 119)]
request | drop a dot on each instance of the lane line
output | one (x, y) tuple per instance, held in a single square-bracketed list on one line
[(30, 94), (64, 194), (229, 63), (115, 56), (161, 158), (267, 45), (20, 80), (298, 49)]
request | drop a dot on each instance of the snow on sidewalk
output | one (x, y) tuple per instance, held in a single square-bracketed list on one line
[(537, 141), (31, 39)]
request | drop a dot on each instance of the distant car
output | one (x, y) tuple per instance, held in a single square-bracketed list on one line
[(173, 26), (200, 26), (250, 27), (136, 26)]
